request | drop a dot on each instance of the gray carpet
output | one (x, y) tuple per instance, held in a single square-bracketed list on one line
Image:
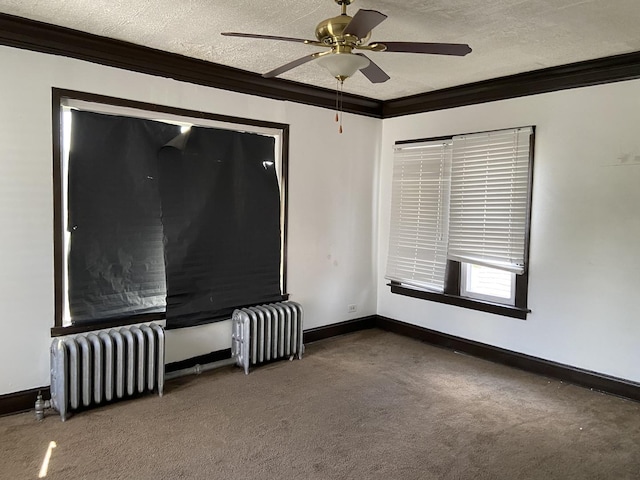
[(370, 405)]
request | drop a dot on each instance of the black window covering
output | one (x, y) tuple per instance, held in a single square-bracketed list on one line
[(162, 221), (116, 256), (221, 215)]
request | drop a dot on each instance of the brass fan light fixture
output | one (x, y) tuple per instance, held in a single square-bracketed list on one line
[(344, 34)]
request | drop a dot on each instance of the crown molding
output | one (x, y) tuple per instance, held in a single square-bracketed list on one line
[(46, 38), (616, 68)]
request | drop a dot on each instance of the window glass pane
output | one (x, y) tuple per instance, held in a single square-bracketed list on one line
[(488, 283), (115, 257), (193, 240), (220, 204)]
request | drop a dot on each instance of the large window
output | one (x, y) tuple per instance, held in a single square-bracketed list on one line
[(164, 213), (460, 219)]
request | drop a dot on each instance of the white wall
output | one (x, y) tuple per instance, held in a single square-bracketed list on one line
[(585, 227), (585, 232), (331, 204)]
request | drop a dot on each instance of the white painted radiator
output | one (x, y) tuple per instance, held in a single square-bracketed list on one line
[(265, 333), (99, 367)]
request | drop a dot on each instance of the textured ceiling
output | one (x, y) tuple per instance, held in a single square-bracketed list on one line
[(507, 36)]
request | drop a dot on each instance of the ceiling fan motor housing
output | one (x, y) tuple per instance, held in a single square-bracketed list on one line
[(330, 32), (343, 34)]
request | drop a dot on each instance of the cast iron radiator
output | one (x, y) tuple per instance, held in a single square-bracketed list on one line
[(265, 333), (93, 368)]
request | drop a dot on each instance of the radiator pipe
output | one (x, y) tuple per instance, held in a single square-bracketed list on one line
[(40, 406), (198, 369)]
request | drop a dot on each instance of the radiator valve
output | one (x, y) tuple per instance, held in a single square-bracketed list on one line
[(41, 405)]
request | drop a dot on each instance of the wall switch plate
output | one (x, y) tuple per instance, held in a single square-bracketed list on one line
[(352, 308)]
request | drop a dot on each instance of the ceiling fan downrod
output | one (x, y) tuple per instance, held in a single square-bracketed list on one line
[(344, 4)]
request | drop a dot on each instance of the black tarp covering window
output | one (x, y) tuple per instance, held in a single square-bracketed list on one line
[(116, 256), (221, 215), (161, 220)]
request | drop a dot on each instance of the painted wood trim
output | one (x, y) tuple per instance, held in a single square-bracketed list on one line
[(311, 335), (458, 301), (335, 329), (46, 38), (567, 373), (25, 400), (22, 401), (60, 331), (57, 96), (616, 68)]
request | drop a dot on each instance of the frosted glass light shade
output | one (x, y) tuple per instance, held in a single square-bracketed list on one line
[(343, 65)]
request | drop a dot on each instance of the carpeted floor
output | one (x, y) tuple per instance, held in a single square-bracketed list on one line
[(370, 405)]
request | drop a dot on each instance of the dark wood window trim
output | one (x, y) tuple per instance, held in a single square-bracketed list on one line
[(57, 97), (451, 294), (59, 331), (458, 301)]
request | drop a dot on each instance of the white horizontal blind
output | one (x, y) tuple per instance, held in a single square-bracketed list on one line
[(419, 214), (489, 198)]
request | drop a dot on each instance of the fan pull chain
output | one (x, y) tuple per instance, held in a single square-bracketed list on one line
[(339, 103)]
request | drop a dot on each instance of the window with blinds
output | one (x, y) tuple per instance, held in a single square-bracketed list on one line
[(419, 215), (489, 199), (460, 202)]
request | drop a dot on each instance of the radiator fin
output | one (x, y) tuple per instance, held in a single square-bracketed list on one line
[(99, 367), (267, 332)]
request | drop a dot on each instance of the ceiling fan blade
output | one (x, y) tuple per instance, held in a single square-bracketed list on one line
[(363, 22), (373, 72), (294, 64), (459, 49), (272, 37)]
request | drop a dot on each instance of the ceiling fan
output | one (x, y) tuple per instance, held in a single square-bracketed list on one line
[(344, 34)]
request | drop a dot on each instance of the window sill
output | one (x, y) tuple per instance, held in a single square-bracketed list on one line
[(464, 302), (59, 331)]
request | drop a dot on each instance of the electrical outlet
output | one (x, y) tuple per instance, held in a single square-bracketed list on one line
[(352, 308)]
